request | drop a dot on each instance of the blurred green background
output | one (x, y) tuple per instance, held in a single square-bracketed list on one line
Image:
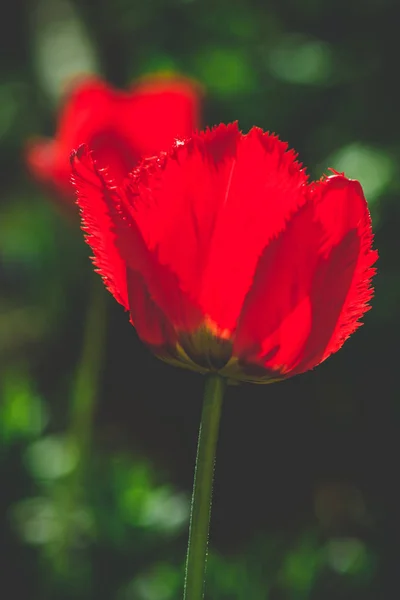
[(94, 499)]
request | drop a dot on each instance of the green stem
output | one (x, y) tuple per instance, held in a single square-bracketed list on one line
[(87, 380), (200, 513), (83, 403)]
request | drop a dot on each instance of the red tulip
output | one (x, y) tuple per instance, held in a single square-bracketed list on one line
[(121, 127), (227, 259)]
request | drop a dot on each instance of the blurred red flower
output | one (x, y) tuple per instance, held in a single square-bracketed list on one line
[(121, 127), (227, 258)]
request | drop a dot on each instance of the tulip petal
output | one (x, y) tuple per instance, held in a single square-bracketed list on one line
[(264, 189), (342, 286), (86, 109), (312, 283), (211, 209), (108, 216), (276, 315), (87, 116), (151, 324), (93, 199), (163, 109)]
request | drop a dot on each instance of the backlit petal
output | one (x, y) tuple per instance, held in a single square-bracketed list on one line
[(342, 285), (211, 209), (276, 317), (151, 324), (109, 218), (94, 196), (312, 283)]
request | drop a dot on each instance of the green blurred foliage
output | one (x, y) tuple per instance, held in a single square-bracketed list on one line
[(306, 502)]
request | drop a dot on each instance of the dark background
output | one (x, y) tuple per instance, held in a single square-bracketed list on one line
[(306, 502)]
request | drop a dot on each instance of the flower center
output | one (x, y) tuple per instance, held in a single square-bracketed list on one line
[(206, 349)]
